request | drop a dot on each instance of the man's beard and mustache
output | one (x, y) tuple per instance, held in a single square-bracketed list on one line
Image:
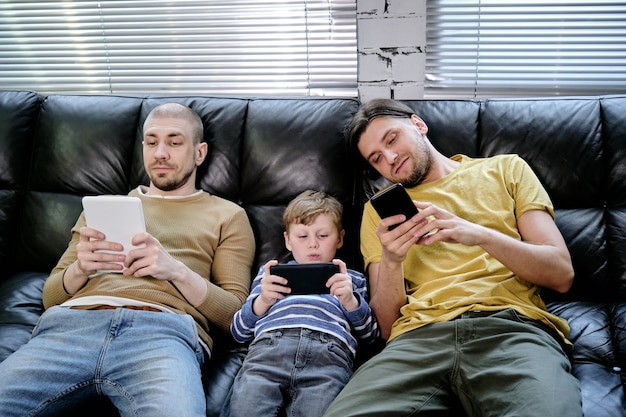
[(170, 184), (420, 172)]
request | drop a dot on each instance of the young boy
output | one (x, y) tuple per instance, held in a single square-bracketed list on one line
[(303, 346)]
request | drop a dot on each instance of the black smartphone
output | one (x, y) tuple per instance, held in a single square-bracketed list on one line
[(393, 200), (306, 278)]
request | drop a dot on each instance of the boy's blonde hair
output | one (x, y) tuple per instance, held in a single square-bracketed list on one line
[(306, 206)]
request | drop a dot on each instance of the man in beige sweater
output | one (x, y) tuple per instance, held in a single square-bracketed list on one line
[(140, 335)]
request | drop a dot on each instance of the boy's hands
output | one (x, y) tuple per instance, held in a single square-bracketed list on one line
[(273, 288), (340, 286)]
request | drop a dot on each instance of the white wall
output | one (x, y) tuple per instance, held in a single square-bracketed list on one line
[(391, 44)]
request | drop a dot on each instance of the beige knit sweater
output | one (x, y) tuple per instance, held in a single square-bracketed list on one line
[(211, 235)]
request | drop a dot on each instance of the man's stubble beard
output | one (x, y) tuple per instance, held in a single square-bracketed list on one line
[(173, 184), (420, 172)]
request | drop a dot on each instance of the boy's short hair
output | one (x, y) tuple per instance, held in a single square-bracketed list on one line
[(306, 206)]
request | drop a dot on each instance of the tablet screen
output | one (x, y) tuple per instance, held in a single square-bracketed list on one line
[(120, 218)]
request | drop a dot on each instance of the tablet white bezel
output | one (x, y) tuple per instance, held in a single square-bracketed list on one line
[(119, 217)]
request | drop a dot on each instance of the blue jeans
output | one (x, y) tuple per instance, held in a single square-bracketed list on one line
[(147, 363), (503, 365), (298, 371)]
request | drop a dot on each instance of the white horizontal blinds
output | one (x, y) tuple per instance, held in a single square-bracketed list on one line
[(491, 48), (251, 47)]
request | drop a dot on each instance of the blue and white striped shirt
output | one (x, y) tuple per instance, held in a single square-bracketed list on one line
[(323, 313)]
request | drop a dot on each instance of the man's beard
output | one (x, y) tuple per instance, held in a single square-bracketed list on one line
[(419, 174), (175, 183)]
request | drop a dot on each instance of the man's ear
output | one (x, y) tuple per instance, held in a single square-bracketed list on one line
[(202, 149), (421, 125)]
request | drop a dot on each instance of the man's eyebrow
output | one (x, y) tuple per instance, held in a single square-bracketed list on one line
[(382, 139), (173, 133)]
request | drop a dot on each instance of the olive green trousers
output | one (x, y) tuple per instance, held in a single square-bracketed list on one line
[(501, 364)]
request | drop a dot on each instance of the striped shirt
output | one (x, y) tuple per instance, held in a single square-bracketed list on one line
[(323, 313)]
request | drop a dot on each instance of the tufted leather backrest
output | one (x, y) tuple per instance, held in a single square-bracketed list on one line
[(83, 145), (566, 148), (18, 119), (291, 145), (263, 152)]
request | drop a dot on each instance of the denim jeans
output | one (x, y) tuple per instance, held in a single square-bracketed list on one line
[(502, 365), (147, 363), (298, 371)]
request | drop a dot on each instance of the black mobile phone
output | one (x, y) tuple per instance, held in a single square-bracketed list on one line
[(393, 200), (306, 278)]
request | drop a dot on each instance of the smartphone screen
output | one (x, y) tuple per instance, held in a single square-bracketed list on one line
[(393, 200), (306, 278)]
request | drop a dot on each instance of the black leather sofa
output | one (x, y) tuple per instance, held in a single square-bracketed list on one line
[(55, 149)]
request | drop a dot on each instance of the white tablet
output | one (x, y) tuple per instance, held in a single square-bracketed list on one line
[(119, 217)]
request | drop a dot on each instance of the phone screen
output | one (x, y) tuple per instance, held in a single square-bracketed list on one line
[(393, 200), (306, 278)]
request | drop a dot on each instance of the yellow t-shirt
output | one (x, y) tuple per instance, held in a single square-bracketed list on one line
[(444, 280)]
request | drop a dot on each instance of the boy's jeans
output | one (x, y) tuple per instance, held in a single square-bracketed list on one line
[(147, 363), (299, 369)]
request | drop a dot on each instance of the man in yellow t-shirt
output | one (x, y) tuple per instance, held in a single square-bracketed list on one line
[(456, 288)]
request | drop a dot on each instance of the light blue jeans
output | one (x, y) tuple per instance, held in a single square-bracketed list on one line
[(147, 363), (294, 372)]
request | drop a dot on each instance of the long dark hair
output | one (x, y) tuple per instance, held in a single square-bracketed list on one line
[(369, 111)]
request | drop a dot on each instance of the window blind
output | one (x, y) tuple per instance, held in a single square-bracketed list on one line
[(491, 48), (239, 47)]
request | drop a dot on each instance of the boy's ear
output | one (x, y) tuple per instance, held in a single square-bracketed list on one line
[(287, 241), (340, 240)]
